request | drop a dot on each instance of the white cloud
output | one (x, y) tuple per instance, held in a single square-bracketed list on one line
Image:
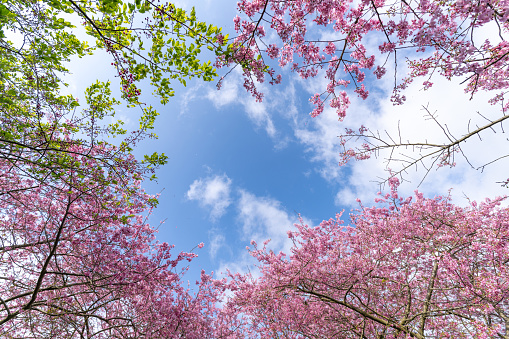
[(261, 218), (212, 193), (455, 111), (188, 96), (264, 218), (320, 139), (457, 114), (257, 112), (277, 100), (232, 92), (228, 94), (217, 241)]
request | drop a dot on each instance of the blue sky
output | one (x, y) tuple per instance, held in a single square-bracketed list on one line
[(240, 170)]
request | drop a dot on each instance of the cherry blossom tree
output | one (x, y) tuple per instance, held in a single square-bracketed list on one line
[(79, 259), (405, 268), (78, 256), (334, 38)]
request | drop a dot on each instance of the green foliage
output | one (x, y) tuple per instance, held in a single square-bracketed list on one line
[(146, 41), (155, 159)]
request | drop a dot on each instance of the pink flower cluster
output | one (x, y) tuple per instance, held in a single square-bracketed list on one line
[(443, 28), (407, 267)]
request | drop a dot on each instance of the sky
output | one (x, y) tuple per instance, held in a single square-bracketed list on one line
[(239, 170)]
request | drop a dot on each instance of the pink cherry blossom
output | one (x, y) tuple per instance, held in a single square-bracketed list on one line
[(432, 37), (405, 268)]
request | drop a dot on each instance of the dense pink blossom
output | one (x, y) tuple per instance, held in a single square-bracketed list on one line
[(432, 37), (405, 268), (443, 27), (80, 260), (78, 256)]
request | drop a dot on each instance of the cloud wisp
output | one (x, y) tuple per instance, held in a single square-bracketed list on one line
[(212, 193), (264, 218), (232, 93)]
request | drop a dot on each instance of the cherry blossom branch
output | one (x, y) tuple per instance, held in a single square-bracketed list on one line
[(379, 319), (443, 153), (50, 256)]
